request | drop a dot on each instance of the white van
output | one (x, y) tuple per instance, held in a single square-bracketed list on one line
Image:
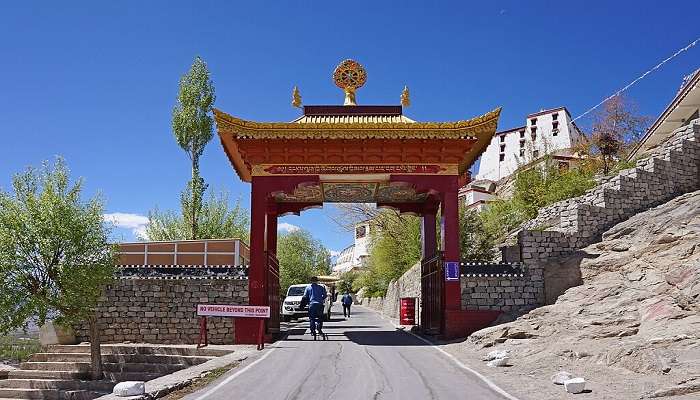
[(290, 307)]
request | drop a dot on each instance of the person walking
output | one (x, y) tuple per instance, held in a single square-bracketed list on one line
[(347, 302), (317, 295)]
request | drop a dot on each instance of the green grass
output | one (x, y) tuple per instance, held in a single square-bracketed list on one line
[(16, 349)]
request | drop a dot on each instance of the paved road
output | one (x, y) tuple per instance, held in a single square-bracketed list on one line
[(363, 358)]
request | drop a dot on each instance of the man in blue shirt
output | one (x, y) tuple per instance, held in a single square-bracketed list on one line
[(316, 295), (347, 302)]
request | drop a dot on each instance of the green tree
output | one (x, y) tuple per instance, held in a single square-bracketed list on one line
[(476, 243), (395, 247), (347, 281), (192, 125), (54, 255), (300, 257), (216, 220)]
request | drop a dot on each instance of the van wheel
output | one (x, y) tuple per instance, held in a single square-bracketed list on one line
[(286, 318)]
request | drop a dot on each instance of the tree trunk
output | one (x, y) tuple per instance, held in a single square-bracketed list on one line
[(95, 352)]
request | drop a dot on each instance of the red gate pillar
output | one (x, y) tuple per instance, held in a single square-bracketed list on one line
[(452, 324), (246, 329), (272, 275), (428, 249)]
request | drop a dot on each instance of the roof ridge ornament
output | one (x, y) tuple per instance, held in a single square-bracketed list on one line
[(405, 97), (349, 75), (296, 97)]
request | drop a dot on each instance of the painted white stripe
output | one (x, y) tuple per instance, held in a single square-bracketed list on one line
[(454, 359), (234, 376)]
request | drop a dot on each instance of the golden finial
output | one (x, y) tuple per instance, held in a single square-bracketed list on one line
[(405, 97), (296, 97), (349, 75)]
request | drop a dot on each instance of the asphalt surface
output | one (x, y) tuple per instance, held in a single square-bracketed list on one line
[(365, 357)]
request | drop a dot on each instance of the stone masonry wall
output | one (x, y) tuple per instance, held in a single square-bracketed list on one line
[(564, 227), (673, 170), (503, 292), (408, 285), (164, 310)]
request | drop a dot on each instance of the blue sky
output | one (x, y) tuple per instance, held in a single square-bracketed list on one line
[(96, 81)]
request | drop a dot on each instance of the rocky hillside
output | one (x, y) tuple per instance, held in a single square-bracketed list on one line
[(631, 328)]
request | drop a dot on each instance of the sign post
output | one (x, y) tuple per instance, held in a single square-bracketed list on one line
[(218, 310)]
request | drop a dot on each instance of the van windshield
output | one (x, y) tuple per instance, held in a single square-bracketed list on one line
[(296, 291)]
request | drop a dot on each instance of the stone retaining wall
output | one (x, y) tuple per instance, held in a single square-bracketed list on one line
[(164, 310), (408, 285), (564, 227), (673, 170)]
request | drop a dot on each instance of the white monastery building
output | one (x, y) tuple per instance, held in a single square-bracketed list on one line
[(545, 132), (355, 255)]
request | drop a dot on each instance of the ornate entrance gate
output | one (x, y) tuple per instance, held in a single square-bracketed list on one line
[(360, 154)]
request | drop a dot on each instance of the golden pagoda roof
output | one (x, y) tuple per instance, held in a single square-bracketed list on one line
[(357, 127)]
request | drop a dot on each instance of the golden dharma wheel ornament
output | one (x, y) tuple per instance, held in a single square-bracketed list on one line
[(349, 75)]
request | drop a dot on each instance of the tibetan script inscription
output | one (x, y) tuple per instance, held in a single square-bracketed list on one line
[(302, 169)]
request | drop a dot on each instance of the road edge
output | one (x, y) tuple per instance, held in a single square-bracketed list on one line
[(454, 359)]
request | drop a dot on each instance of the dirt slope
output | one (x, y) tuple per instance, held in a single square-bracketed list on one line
[(632, 329)]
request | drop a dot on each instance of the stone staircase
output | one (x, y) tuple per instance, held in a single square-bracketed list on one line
[(563, 227), (62, 372)]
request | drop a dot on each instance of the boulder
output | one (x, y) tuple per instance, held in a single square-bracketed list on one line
[(575, 385), (496, 354), (560, 377), (498, 362), (129, 388)]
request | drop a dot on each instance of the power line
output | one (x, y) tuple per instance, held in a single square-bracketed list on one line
[(657, 66)]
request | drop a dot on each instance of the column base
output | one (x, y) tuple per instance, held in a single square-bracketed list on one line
[(462, 323), (246, 331)]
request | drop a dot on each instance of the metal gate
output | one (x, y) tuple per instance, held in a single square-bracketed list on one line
[(273, 293), (432, 294)]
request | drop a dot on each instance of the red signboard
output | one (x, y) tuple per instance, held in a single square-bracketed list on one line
[(217, 310), (408, 311)]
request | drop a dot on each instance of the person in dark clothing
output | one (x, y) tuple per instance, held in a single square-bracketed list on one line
[(347, 302), (317, 295)]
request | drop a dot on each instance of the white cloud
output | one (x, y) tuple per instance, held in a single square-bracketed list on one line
[(137, 223), (286, 227)]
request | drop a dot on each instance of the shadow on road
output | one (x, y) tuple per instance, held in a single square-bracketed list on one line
[(383, 338)]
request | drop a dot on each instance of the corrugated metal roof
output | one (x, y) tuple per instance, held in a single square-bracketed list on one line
[(353, 119)]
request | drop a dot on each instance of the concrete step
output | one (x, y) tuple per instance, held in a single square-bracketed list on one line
[(41, 394), (126, 358), (81, 395), (39, 374), (99, 386), (138, 367), (132, 376), (56, 366), (136, 349)]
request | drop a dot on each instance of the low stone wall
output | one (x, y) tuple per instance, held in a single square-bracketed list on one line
[(408, 285), (164, 310), (503, 292)]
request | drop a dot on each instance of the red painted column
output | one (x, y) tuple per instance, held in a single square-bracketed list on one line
[(450, 246), (428, 233), (271, 234), (246, 329)]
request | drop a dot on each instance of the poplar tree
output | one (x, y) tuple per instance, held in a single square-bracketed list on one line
[(193, 128)]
